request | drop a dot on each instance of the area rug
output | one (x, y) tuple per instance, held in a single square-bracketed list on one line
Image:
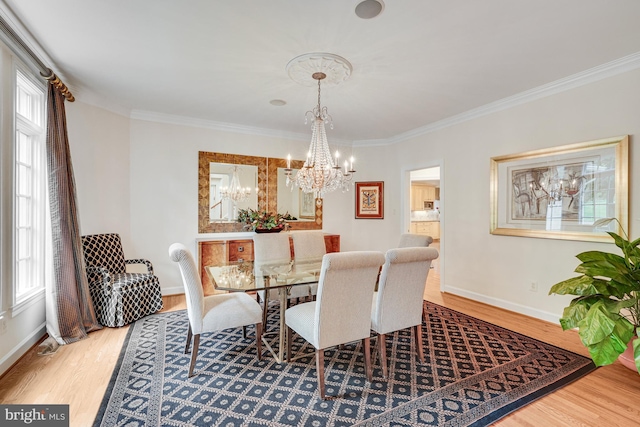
[(474, 374)]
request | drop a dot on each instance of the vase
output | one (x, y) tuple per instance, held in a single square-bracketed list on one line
[(268, 230), (626, 358)]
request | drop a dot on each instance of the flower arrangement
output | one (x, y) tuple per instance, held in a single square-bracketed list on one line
[(259, 221)]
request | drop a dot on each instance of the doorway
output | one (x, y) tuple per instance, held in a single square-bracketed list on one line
[(425, 204)]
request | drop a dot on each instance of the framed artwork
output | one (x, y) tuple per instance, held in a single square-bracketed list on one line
[(370, 200), (559, 192), (307, 205)]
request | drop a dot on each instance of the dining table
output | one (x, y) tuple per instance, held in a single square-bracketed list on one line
[(250, 276)]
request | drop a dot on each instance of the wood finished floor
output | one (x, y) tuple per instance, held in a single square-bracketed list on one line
[(78, 374)]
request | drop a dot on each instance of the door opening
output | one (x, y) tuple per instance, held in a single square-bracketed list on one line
[(425, 215)]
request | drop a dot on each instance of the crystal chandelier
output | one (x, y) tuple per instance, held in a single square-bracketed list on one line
[(320, 174), (235, 191)]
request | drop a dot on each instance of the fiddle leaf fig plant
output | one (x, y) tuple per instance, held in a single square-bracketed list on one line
[(606, 310)]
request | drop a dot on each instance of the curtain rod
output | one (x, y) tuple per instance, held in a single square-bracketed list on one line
[(22, 50)]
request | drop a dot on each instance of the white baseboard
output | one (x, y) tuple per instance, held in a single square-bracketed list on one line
[(507, 305), (19, 350)]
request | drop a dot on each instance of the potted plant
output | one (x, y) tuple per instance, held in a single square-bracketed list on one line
[(606, 310), (261, 221)]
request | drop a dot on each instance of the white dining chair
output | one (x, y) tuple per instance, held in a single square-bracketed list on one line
[(342, 310), (398, 302), (309, 246), (214, 312), (273, 248), (409, 240)]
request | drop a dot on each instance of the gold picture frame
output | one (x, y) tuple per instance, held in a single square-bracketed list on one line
[(559, 192)]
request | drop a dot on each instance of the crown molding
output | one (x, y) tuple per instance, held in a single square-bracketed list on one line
[(610, 69), (151, 116)]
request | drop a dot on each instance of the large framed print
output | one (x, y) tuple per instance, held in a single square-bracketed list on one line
[(370, 200), (559, 192)]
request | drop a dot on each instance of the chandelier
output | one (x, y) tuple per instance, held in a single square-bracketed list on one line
[(235, 191), (320, 173)]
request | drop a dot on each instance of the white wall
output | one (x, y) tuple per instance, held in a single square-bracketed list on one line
[(99, 143), (499, 269)]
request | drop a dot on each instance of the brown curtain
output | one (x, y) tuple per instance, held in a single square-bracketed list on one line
[(69, 301)]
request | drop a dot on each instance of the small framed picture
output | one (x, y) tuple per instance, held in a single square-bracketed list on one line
[(370, 200)]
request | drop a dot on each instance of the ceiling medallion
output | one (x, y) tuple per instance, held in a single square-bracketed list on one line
[(336, 69)]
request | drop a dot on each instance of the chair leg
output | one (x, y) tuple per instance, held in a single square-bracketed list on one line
[(382, 350), (320, 371), (244, 332), (265, 308), (419, 350), (289, 339), (259, 340), (366, 346), (188, 343), (194, 353)]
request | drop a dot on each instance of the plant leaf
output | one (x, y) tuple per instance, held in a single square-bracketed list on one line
[(605, 334), (603, 352), (597, 325), (585, 285), (574, 313)]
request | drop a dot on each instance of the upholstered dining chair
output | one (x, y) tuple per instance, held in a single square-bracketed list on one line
[(398, 303), (273, 248), (119, 297), (309, 246), (214, 312), (342, 311), (409, 240)]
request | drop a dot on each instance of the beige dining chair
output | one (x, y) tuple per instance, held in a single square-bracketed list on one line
[(214, 312), (273, 248), (409, 240), (342, 310), (398, 303), (309, 246)]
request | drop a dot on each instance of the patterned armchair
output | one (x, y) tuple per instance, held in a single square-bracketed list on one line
[(119, 298)]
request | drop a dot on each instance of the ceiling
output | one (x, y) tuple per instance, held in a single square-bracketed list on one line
[(418, 62)]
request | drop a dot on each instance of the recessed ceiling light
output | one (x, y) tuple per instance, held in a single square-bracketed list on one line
[(277, 102), (368, 9)]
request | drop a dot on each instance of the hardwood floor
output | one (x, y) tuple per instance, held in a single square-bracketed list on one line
[(78, 374)]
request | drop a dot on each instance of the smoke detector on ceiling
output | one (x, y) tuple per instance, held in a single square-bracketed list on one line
[(368, 9)]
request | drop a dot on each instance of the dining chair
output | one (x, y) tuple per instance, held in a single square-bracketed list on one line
[(409, 240), (398, 302), (273, 248), (342, 311), (309, 246), (214, 312)]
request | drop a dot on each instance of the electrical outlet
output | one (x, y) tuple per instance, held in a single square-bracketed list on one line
[(533, 286), (3, 325)]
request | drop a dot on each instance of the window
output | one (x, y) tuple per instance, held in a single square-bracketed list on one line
[(30, 178)]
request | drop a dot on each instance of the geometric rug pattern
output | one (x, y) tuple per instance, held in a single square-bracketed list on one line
[(474, 374)]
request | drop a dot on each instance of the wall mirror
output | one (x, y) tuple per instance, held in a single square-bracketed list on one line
[(215, 171), (283, 199)]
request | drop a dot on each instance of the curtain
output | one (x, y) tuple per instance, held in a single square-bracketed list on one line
[(70, 313)]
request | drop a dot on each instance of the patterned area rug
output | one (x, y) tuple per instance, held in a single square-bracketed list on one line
[(475, 373)]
